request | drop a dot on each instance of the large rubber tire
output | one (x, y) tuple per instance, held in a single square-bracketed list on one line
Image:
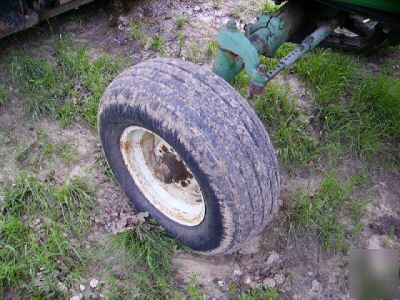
[(217, 134)]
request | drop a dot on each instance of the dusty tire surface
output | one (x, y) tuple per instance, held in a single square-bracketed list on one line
[(217, 134)]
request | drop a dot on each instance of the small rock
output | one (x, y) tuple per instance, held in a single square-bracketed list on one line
[(93, 283), (82, 288), (279, 278), (76, 297), (247, 280), (273, 257), (237, 273), (315, 285), (310, 274), (269, 282)]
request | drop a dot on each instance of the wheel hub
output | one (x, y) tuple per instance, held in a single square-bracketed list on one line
[(162, 176)]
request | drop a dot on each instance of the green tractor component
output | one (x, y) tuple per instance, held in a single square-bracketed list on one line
[(239, 50)]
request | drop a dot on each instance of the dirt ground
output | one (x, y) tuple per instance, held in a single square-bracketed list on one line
[(301, 269)]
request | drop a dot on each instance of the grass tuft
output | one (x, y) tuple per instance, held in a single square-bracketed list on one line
[(269, 7), (67, 87), (149, 251), (330, 74), (259, 293), (3, 98), (325, 210), (181, 21), (158, 44), (290, 135), (138, 33), (38, 225)]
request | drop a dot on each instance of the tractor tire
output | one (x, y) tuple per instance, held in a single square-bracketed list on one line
[(188, 149)]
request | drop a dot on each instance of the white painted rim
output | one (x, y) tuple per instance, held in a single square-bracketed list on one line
[(181, 201)]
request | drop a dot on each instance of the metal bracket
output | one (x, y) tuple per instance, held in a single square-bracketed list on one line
[(236, 50)]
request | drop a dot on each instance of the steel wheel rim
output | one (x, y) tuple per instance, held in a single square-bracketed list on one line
[(151, 162)]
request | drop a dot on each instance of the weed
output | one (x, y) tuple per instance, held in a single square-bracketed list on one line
[(181, 21), (181, 42), (322, 211), (38, 223), (150, 252), (259, 293), (194, 54), (269, 7), (138, 33), (3, 98), (158, 44), (192, 289), (211, 48)]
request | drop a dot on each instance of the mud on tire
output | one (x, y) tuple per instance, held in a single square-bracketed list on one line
[(214, 131)]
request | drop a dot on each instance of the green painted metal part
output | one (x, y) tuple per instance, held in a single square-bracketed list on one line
[(238, 50), (235, 51), (386, 5)]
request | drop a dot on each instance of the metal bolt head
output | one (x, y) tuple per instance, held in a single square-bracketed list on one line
[(231, 25)]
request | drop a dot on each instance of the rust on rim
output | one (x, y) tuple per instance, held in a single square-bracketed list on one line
[(162, 176)]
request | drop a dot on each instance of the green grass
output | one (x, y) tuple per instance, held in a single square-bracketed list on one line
[(37, 81), (331, 74), (181, 42), (194, 54), (137, 31), (158, 44), (148, 251), (356, 111), (332, 212), (193, 289), (3, 98), (211, 48), (34, 154), (181, 21), (290, 135), (68, 86), (40, 224), (269, 7), (259, 293)]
